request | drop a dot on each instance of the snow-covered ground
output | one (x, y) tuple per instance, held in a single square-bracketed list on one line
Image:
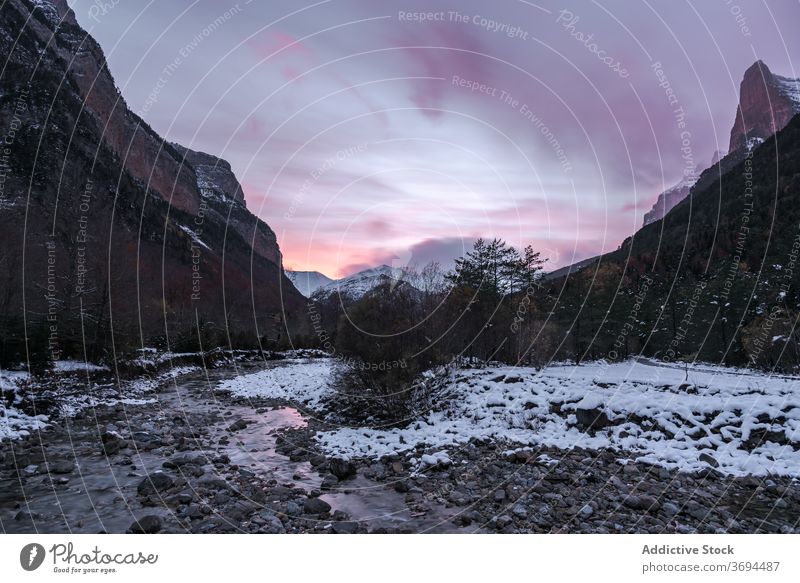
[(748, 423), (75, 397), (135, 392), (305, 382)]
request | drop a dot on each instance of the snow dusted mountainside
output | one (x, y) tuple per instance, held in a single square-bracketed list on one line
[(307, 282), (668, 199), (356, 285)]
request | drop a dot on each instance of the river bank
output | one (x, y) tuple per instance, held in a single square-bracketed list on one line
[(191, 455)]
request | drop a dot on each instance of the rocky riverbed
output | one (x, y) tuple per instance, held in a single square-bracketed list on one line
[(196, 459)]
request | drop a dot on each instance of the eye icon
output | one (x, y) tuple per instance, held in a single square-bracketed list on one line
[(31, 556)]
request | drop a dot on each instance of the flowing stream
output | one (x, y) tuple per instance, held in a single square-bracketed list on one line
[(100, 494)]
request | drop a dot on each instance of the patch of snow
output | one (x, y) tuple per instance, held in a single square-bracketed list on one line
[(305, 382), (12, 380), (76, 366), (790, 88), (434, 460), (194, 236), (753, 143), (546, 460), (15, 424)]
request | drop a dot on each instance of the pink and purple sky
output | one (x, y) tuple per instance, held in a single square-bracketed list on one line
[(363, 134)]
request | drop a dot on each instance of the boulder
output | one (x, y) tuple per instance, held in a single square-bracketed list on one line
[(342, 469), (146, 525), (238, 425), (592, 418), (112, 442), (57, 467), (185, 459), (329, 482), (704, 457), (155, 482), (316, 506)]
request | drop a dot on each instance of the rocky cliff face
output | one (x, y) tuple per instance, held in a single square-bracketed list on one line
[(766, 104), (113, 237), (143, 153)]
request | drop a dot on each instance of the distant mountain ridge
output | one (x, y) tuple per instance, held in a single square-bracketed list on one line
[(668, 199), (356, 285)]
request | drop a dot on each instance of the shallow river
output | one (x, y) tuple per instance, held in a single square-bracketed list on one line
[(100, 494)]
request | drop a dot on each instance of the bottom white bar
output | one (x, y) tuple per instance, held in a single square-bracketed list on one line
[(389, 558)]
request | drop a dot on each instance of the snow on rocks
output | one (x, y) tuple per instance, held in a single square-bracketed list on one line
[(15, 424), (439, 459), (747, 423), (306, 382), (135, 392)]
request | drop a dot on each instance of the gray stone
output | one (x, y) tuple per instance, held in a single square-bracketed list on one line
[(112, 442), (642, 502), (317, 460), (57, 467), (316, 506), (342, 469), (592, 418), (704, 457), (329, 482), (345, 527), (670, 508), (155, 482), (185, 459), (146, 525), (238, 425)]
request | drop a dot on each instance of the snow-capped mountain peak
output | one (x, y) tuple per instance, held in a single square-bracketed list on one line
[(356, 285), (307, 282)]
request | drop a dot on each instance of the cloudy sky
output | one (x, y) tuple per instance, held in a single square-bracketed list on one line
[(364, 132)]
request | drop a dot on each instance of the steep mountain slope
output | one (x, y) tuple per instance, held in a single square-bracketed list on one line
[(766, 104), (716, 279), (307, 282), (113, 237)]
